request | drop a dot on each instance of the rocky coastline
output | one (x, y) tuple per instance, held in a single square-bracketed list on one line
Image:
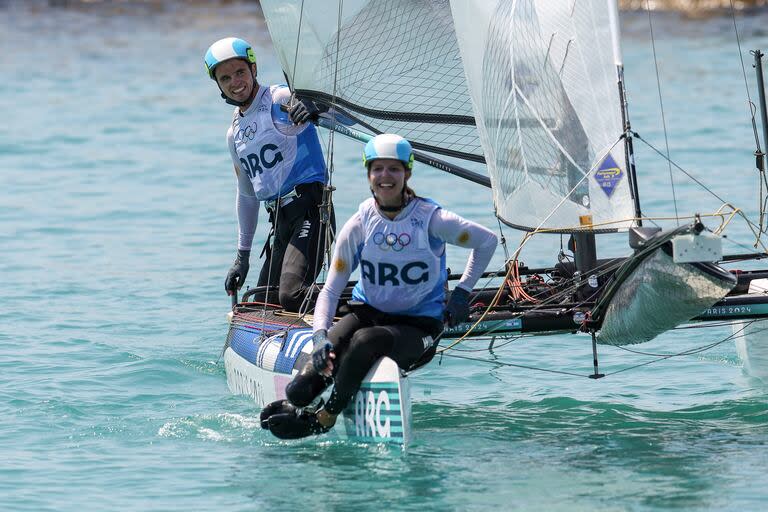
[(686, 7)]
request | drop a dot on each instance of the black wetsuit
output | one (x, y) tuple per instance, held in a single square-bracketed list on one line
[(359, 339), (295, 248)]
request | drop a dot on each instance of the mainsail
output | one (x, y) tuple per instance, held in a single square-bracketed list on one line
[(543, 81), (392, 65), (527, 87)]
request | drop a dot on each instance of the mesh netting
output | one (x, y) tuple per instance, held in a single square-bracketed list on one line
[(658, 296), (543, 78), (260, 319)]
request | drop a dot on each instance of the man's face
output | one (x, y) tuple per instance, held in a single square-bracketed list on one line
[(235, 77)]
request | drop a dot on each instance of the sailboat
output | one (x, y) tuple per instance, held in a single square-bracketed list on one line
[(526, 97)]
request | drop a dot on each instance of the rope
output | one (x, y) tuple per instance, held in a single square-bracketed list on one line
[(659, 357), (298, 40), (697, 350), (661, 106), (741, 214), (553, 299), (327, 201), (525, 367), (753, 107), (762, 180)]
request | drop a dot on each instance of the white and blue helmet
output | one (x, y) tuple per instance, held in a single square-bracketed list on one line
[(226, 49), (388, 145)]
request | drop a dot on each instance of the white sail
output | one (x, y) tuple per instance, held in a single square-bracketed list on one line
[(528, 87), (543, 81), (393, 65)]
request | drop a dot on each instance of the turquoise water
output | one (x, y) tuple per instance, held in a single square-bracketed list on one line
[(117, 226)]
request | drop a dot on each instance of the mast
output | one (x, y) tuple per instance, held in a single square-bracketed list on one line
[(613, 15), (761, 95)]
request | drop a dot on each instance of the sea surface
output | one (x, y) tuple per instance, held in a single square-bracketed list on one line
[(117, 227)]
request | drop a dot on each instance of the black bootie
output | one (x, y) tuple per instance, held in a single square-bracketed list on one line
[(287, 421), (306, 386)]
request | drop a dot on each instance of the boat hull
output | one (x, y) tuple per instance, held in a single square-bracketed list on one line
[(260, 366), (751, 338), (658, 295)]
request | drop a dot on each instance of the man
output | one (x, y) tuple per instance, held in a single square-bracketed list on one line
[(278, 159)]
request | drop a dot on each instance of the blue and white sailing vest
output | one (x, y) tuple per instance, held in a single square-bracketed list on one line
[(275, 162), (399, 272)]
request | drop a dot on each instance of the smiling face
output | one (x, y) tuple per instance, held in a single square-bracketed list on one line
[(235, 78), (387, 178)]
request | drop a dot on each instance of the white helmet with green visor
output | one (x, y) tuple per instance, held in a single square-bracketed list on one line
[(224, 50)]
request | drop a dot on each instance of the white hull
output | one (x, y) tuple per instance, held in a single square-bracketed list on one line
[(751, 339), (380, 412)]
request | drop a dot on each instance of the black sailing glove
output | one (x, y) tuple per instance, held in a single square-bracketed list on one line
[(457, 309), (302, 111), (321, 354), (238, 272)]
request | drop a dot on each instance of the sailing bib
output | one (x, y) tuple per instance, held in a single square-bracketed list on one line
[(274, 162), (399, 271)]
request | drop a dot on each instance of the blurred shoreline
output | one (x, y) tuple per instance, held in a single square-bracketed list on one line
[(693, 8)]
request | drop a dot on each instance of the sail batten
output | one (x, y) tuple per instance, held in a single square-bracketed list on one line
[(394, 65), (525, 88), (552, 62)]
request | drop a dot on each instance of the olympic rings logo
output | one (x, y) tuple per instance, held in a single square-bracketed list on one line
[(391, 241), (249, 132)]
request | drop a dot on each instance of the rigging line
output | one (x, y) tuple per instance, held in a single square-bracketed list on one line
[(736, 335), (502, 238), (506, 341), (745, 247), (327, 201), (278, 200), (493, 303), (696, 180), (565, 198), (753, 108), (547, 302), (661, 106), (717, 213), (749, 223), (689, 352), (298, 40), (608, 268), (710, 324), (270, 242), (525, 367), (571, 285)]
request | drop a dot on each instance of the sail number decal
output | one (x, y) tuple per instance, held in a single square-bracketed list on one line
[(268, 157), (608, 175), (376, 412)]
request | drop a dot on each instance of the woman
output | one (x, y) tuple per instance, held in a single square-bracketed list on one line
[(398, 240)]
